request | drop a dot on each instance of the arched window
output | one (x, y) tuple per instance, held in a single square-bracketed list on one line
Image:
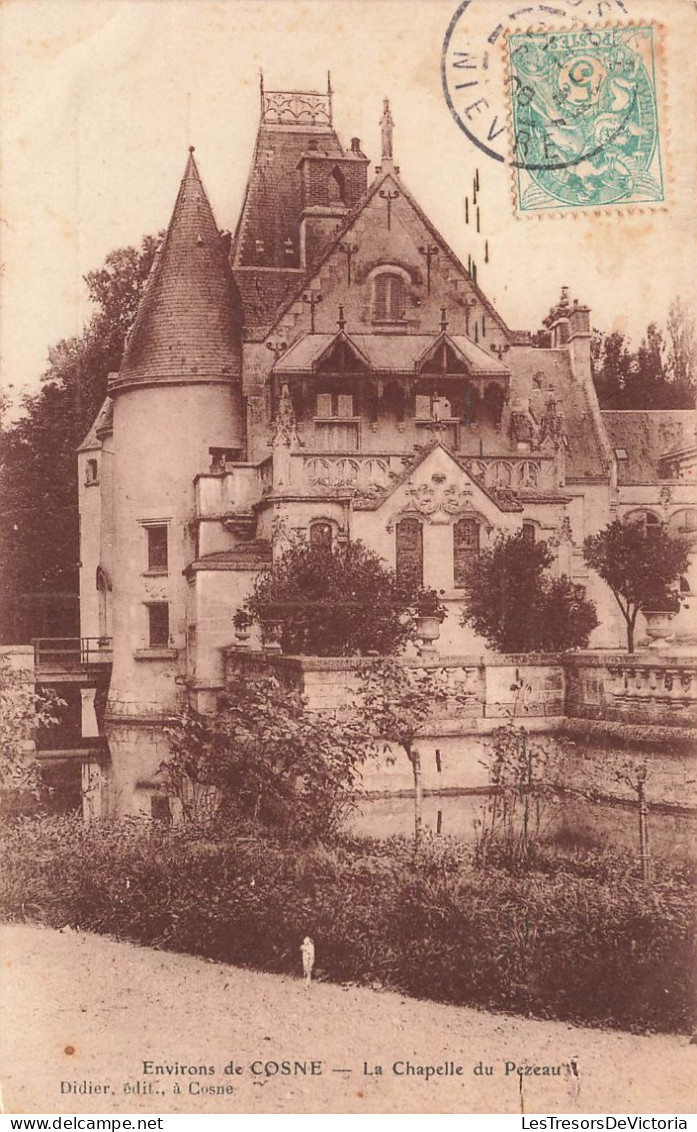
[(466, 534), (409, 546), (528, 530), (683, 525), (321, 534), (336, 187), (389, 297), (649, 523), (103, 602)]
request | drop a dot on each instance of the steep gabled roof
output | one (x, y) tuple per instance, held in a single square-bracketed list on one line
[(646, 436), (378, 184), (538, 372), (273, 200), (103, 421), (187, 326)]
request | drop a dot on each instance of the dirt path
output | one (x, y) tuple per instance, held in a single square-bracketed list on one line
[(85, 1009)]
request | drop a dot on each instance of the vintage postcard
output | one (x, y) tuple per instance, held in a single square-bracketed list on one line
[(348, 557)]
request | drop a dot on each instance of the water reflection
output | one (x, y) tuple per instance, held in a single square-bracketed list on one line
[(612, 824)]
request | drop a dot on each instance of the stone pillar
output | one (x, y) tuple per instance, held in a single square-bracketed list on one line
[(90, 726), (95, 790)]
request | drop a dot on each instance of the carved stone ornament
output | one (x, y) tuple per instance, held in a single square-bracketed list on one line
[(436, 499), (551, 430), (563, 536), (289, 108), (285, 428)]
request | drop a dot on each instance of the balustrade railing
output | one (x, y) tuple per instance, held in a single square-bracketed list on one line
[(639, 689), (370, 473), (374, 472), (522, 473)]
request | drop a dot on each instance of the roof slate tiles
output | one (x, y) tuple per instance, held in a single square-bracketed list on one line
[(187, 326), (646, 435), (385, 353)]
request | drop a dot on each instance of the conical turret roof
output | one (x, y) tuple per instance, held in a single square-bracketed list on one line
[(188, 322)]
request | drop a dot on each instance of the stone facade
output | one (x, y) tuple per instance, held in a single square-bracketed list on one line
[(334, 370)]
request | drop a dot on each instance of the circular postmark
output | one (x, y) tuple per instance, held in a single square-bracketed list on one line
[(472, 60)]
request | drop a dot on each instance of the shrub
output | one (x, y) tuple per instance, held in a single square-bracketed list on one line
[(23, 711), (517, 606), (265, 755), (557, 943), (339, 601)]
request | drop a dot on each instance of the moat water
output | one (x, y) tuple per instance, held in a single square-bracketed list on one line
[(672, 833)]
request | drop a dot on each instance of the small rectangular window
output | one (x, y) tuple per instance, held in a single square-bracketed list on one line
[(324, 404), (345, 405), (529, 532), (92, 472), (157, 548), (158, 625)]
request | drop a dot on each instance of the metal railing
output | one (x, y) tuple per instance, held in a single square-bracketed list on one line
[(71, 653)]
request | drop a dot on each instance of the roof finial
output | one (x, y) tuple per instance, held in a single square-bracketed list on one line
[(341, 321), (387, 128), (192, 149), (443, 320), (329, 83), (261, 89)]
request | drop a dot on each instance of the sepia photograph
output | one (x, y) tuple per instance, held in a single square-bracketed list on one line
[(348, 558)]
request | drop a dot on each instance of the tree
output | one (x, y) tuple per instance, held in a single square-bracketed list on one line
[(266, 755), (339, 601), (611, 362), (659, 374), (641, 568), (682, 346), (517, 607), (396, 701), (39, 537), (647, 386), (22, 711)]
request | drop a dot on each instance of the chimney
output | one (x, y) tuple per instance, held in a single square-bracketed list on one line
[(580, 342), (579, 320), (356, 146)]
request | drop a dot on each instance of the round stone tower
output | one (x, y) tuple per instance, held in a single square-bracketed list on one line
[(177, 396)]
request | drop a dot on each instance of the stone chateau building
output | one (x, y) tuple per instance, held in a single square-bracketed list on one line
[(334, 369)]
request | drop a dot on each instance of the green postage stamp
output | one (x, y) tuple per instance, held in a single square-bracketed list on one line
[(584, 115)]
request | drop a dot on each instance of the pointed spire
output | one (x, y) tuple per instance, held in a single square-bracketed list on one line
[(187, 326)]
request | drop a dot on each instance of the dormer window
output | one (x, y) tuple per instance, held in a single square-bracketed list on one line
[(389, 297), (259, 247), (288, 249)]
